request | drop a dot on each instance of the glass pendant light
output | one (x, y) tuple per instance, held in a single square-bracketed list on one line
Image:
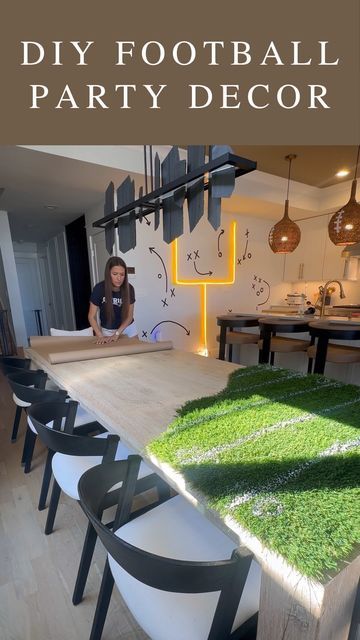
[(285, 235)]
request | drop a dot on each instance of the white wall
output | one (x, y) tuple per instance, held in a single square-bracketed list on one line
[(45, 284), (59, 283), (258, 276), (12, 280)]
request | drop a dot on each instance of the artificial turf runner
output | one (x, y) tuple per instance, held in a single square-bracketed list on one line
[(277, 452)]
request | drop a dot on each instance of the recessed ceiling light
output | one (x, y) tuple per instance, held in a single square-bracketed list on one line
[(342, 173)]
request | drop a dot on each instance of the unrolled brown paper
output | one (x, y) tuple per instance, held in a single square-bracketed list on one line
[(58, 349)]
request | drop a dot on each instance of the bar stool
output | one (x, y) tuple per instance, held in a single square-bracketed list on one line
[(230, 337), (325, 330), (269, 343), (240, 338)]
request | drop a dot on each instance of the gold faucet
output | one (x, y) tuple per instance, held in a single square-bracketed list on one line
[(323, 295)]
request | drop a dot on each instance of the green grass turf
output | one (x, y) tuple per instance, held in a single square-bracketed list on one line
[(260, 452)]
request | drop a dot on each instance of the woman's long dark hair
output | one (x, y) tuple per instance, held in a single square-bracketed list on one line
[(123, 293)]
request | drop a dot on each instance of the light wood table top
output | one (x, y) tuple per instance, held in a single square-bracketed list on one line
[(136, 396)]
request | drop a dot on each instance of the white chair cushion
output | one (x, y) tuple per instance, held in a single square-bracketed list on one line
[(20, 403), (176, 529), (68, 470), (79, 332), (31, 425)]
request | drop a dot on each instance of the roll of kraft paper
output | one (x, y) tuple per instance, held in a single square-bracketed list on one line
[(58, 349)]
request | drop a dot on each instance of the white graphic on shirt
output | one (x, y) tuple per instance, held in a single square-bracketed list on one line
[(115, 301)]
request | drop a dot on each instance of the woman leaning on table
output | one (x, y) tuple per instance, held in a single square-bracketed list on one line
[(114, 298)]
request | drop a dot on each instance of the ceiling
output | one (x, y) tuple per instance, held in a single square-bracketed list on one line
[(35, 182), (315, 166)]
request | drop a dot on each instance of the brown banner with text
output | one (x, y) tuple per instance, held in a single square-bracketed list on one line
[(259, 72)]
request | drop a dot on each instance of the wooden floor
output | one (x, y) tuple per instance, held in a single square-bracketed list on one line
[(37, 572)]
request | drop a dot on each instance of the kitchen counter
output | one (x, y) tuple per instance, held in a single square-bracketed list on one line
[(333, 313)]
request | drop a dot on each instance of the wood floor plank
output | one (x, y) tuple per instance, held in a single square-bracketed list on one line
[(37, 572), (13, 624)]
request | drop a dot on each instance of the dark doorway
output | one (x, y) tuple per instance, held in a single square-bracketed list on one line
[(79, 270)]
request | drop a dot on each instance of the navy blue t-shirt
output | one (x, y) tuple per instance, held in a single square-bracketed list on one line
[(98, 299)]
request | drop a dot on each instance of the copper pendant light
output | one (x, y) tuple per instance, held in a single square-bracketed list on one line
[(344, 225), (285, 235)]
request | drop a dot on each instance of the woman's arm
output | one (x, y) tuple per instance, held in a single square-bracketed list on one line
[(92, 317), (125, 323)]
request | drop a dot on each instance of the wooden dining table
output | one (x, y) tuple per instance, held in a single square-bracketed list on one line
[(137, 397)]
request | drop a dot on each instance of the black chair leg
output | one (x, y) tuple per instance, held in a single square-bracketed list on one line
[(102, 603), (84, 566), (45, 481), (54, 501), (26, 442), (16, 423), (310, 364), (272, 356), (29, 445)]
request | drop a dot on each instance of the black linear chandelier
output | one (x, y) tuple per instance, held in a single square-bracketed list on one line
[(172, 182)]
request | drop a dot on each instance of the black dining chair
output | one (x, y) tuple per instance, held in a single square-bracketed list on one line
[(73, 455), (180, 576), (26, 393), (34, 378), (12, 364)]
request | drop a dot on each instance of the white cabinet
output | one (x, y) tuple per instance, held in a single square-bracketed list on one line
[(317, 258), (334, 265), (306, 262)]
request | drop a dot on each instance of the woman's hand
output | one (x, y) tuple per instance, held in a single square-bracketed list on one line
[(103, 339), (113, 338), (106, 339)]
